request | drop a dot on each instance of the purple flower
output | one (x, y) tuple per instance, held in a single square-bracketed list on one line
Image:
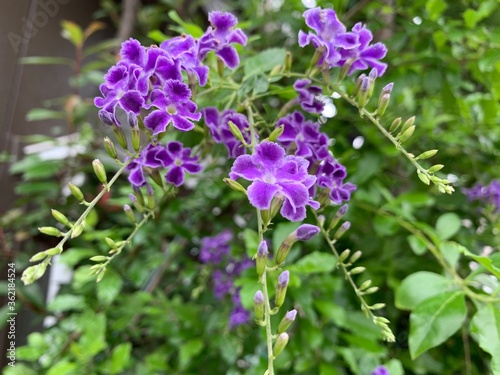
[(338, 46), (306, 232), (488, 194), (222, 284), (218, 124), (174, 105), (214, 248), (284, 279), (220, 35), (308, 96), (272, 173), (380, 370), (186, 49), (331, 175), (330, 34), (304, 137), (365, 55), (239, 315)]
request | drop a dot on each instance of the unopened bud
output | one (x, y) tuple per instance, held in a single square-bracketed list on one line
[(258, 305), (288, 61), (236, 132), (50, 231), (306, 231), (345, 69), (408, 123), (357, 270), (276, 133), (281, 288), (120, 137), (106, 117), (436, 168), (357, 86), (287, 321), (423, 177), (60, 217), (77, 230), (110, 148), (395, 125), (151, 197), (343, 228), (260, 262), (53, 251), (363, 95), (220, 67), (371, 290), (377, 306), (280, 344), (366, 284), (38, 256), (344, 255), (388, 88), (75, 190), (426, 155), (135, 135), (382, 104), (235, 185), (130, 214), (99, 171), (338, 215), (138, 195), (283, 250), (355, 257), (156, 177), (407, 134), (99, 258), (132, 119)]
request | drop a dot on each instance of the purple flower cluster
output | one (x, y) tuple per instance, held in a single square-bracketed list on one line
[(173, 157), (380, 370), (488, 194), (275, 174), (303, 138), (215, 250), (308, 96), (339, 46), (149, 83), (218, 124)]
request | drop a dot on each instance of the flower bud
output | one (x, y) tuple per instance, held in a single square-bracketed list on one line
[(357, 87), (234, 185), (75, 190), (423, 177), (280, 344), (151, 197), (344, 255), (283, 250), (382, 104), (408, 123), (371, 290), (38, 256), (345, 69), (132, 119), (130, 214), (306, 231), (106, 118), (50, 231), (377, 306), (363, 95), (77, 229), (99, 258), (407, 134), (288, 61), (120, 137), (220, 67), (388, 88), (60, 217), (338, 215), (236, 132), (258, 305), (138, 195), (99, 171), (395, 125), (53, 251), (436, 168), (426, 155), (287, 321), (260, 262), (355, 256), (33, 273), (365, 285), (357, 270), (276, 133), (343, 228), (156, 177), (283, 280), (372, 76), (135, 134), (276, 204), (110, 148)]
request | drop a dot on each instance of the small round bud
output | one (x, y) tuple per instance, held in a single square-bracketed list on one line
[(75, 190), (260, 262), (60, 217), (258, 304), (280, 344), (307, 231), (343, 228), (287, 321), (283, 280), (99, 171), (110, 148)]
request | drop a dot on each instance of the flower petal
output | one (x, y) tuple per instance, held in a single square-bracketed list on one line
[(244, 167), (175, 176), (260, 194)]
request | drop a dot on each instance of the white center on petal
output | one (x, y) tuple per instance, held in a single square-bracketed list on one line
[(270, 179), (172, 110), (178, 162)]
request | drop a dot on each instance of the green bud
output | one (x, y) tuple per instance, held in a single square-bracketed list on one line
[(344, 255), (53, 251), (377, 306), (426, 155), (287, 321), (371, 290), (408, 123), (275, 71), (357, 270), (366, 284), (288, 61), (276, 204), (110, 148), (101, 274), (130, 214), (138, 195), (99, 258), (235, 185), (395, 125), (355, 256), (280, 344), (156, 177), (283, 251), (343, 228), (261, 259), (275, 134), (325, 72), (50, 231), (357, 86), (338, 215), (110, 242), (436, 168), (345, 69), (120, 137), (136, 138), (407, 134), (38, 256), (75, 190), (99, 171), (33, 273), (151, 197), (220, 67), (283, 280), (382, 104), (60, 217), (236, 132), (423, 177), (77, 230), (258, 305)]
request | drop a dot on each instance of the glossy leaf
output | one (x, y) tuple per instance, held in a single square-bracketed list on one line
[(447, 225), (420, 286), (486, 326)]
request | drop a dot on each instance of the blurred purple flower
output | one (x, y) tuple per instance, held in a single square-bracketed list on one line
[(218, 125), (274, 174), (331, 175), (214, 248), (380, 370), (308, 96), (488, 194)]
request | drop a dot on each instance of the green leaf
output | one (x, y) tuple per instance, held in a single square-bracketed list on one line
[(451, 252), (43, 60), (264, 61), (482, 260), (435, 8), (39, 114), (251, 239), (434, 320), (189, 350), (316, 262), (420, 286), (447, 225), (65, 302), (120, 358), (186, 27), (417, 244), (72, 32), (486, 326), (109, 287), (157, 36), (63, 367)]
